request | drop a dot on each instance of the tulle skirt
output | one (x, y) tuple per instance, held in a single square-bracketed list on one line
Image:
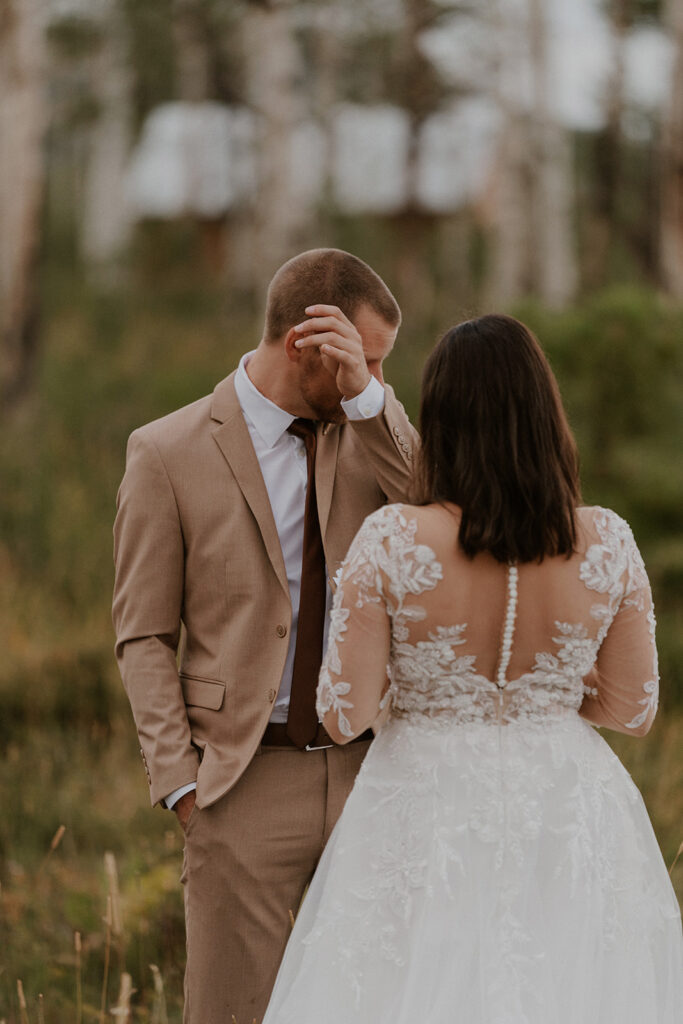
[(486, 874)]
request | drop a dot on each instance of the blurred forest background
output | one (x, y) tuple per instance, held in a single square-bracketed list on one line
[(158, 160)]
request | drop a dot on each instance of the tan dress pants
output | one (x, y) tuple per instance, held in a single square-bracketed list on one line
[(248, 860)]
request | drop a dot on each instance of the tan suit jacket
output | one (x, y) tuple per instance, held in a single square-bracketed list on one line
[(195, 543)]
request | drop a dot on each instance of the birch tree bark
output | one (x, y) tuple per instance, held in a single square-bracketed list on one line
[(508, 223), (106, 222), (533, 247), (329, 35), (22, 126), (552, 250), (280, 216), (671, 238)]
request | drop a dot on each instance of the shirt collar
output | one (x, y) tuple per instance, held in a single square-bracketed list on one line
[(268, 419)]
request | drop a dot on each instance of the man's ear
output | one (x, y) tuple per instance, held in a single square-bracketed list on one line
[(291, 351)]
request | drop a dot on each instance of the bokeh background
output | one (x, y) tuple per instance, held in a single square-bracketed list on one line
[(158, 160)]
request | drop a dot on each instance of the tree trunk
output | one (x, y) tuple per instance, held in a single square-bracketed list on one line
[(106, 222), (608, 155), (532, 246), (418, 93), (280, 216), (22, 125), (552, 249), (327, 54), (192, 55), (671, 255), (196, 83), (507, 274)]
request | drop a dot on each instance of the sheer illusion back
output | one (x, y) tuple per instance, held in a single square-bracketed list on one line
[(494, 862), (475, 640)]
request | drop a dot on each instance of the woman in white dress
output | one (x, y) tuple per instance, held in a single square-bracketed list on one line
[(494, 863)]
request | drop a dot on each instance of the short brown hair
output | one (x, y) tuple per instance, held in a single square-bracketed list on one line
[(325, 276), (496, 442)]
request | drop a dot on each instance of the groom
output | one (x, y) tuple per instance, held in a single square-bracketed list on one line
[(233, 515)]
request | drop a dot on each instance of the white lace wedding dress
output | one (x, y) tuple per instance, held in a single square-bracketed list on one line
[(494, 863)]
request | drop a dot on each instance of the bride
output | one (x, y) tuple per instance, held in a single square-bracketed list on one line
[(495, 863)]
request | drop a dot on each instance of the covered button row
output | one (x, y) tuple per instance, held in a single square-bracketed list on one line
[(401, 440)]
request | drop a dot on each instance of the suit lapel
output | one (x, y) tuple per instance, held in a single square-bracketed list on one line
[(232, 437), (325, 470)]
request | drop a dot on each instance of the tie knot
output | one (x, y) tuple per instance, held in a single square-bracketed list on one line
[(305, 429)]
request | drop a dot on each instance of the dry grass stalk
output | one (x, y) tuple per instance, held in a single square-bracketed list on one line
[(159, 1015), (680, 851), (56, 840), (113, 883), (122, 1009), (79, 978), (23, 1009), (41, 1009), (107, 956)]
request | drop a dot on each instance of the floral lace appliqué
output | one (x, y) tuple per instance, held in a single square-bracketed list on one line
[(383, 557), (615, 568), (430, 680)]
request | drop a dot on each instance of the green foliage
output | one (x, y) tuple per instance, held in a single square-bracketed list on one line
[(112, 360)]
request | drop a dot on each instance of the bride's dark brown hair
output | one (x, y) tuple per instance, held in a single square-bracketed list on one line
[(496, 442)]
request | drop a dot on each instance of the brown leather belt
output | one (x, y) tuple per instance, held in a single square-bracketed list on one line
[(276, 736)]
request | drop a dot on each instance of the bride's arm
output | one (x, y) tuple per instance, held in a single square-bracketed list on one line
[(622, 689), (353, 677)]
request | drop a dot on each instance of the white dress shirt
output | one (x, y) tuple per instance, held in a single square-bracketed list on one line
[(282, 459)]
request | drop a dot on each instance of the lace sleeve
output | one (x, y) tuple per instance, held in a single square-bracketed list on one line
[(353, 677), (621, 691)]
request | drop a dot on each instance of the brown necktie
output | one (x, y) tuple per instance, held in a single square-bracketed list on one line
[(302, 720)]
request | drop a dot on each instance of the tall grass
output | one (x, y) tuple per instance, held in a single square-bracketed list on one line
[(71, 786), (124, 903)]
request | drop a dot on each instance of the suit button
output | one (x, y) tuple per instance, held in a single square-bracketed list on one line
[(397, 430), (281, 630), (272, 694)]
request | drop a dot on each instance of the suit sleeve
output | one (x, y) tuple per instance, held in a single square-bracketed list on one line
[(391, 444), (147, 608)]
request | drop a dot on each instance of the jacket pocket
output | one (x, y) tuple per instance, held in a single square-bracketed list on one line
[(202, 693)]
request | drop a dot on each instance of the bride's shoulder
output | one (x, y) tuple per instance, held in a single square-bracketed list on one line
[(389, 518), (397, 540), (603, 526), (423, 518), (600, 518), (401, 526)]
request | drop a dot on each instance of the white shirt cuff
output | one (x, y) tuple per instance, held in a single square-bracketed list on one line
[(367, 404), (172, 799)]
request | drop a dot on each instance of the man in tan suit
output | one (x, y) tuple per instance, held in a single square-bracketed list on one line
[(213, 549)]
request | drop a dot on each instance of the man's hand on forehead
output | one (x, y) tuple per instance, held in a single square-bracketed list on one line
[(340, 345)]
